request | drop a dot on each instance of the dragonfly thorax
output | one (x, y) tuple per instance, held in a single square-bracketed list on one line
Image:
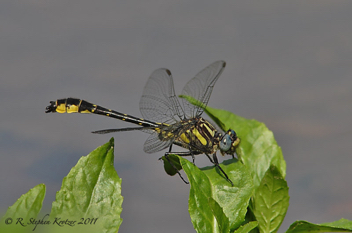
[(200, 136)]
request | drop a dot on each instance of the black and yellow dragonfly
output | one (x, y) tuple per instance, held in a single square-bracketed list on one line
[(168, 122)]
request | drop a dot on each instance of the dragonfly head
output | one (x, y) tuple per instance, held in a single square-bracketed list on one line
[(229, 142)]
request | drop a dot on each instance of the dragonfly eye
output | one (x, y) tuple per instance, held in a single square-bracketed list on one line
[(225, 143)]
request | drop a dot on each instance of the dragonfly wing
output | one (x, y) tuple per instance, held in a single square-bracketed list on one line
[(200, 88), (154, 144), (159, 102)]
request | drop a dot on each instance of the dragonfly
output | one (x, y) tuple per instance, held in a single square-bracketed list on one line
[(166, 120)]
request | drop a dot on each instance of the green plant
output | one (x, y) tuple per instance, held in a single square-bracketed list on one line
[(89, 199), (257, 202)]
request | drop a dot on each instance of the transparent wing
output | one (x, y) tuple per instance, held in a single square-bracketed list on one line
[(164, 137), (159, 102), (144, 129), (200, 88), (153, 144)]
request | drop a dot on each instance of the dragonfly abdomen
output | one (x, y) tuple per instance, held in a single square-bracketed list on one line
[(74, 105)]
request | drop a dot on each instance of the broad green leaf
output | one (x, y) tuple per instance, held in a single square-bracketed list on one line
[(247, 227), (258, 148), (92, 189), (270, 201), (27, 207), (233, 199), (221, 218), (342, 225), (201, 212), (215, 205)]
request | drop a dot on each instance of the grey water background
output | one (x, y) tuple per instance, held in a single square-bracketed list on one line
[(288, 65)]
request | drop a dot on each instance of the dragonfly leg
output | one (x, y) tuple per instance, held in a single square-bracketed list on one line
[(193, 158), (211, 160), (172, 164), (216, 163), (174, 167), (184, 153), (170, 147)]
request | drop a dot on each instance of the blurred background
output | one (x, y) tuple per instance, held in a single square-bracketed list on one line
[(288, 65)]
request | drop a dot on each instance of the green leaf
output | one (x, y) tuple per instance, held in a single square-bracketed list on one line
[(215, 205), (251, 218), (27, 207), (258, 148), (92, 189), (270, 201), (221, 218), (169, 169), (233, 199), (247, 227), (201, 212), (342, 225)]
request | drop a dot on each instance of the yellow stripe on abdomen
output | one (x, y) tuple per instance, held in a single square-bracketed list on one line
[(184, 138), (61, 108), (72, 108), (199, 137)]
